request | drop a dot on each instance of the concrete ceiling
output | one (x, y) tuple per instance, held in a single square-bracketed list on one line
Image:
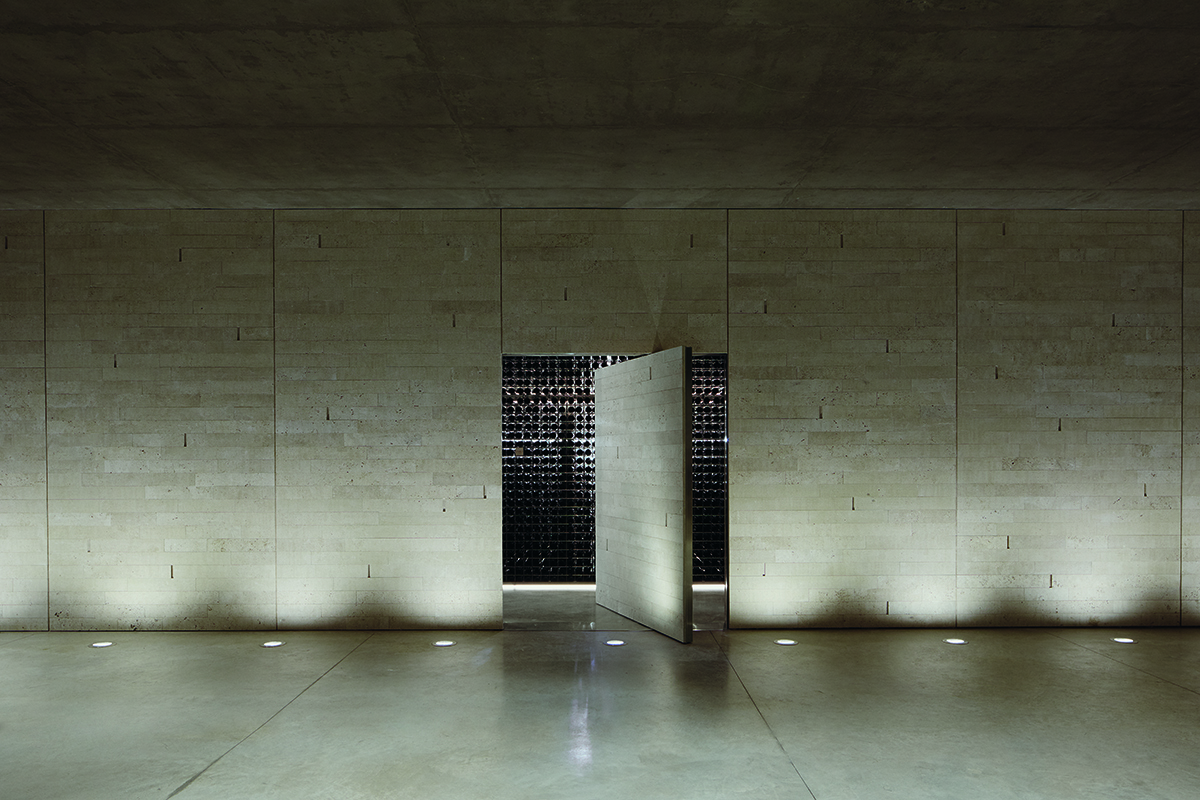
[(612, 103)]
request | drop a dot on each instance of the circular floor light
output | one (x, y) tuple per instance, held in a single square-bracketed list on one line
[(615, 642), (785, 642), (101, 644), (955, 641), (444, 643), (272, 644), (1124, 640)]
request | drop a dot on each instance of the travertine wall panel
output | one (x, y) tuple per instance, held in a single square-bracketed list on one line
[(1190, 532), (841, 420), (644, 491), (1069, 417), (614, 281), (388, 432), (1011, 438), (23, 580), (161, 499)]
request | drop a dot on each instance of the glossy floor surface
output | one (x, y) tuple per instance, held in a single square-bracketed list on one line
[(551, 607), (537, 714)]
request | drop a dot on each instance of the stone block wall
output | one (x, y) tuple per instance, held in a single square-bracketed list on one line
[(1190, 522), (1069, 387), (222, 419), (841, 420), (614, 281), (388, 418), (23, 598), (160, 404)]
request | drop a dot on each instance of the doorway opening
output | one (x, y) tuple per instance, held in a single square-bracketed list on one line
[(548, 424)]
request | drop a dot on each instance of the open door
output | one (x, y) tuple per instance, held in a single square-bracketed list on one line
[(644, 491)]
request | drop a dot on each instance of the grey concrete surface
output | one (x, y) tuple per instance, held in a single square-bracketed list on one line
[(716, 103), (558, 714)]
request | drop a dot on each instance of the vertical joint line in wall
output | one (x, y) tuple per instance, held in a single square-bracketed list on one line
[(1182, 403), (185, 440), (500, 287), (46, 404), (957, 300), (564, 293), (841, 240), (172, 572), (727, 323), (691, 241), (275, 410), (368, 570), (852, 504), (454, 320)]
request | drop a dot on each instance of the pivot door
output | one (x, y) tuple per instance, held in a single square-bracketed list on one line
[(644, 491)]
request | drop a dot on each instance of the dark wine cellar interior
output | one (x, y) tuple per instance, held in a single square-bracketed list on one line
[(549, 467)]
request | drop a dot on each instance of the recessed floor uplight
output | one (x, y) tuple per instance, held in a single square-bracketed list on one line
[(444, 643), (955, 641), (1124, 640), (785, 642), (615, 642), (272, 644), (101, 644)]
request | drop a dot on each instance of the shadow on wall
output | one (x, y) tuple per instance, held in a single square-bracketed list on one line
[(845, 609), (389, 622), (1150, 608), (213, 615), (233, 611), (212, 612), (382, 611)]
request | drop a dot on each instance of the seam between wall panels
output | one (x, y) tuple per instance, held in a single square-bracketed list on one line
[(729, 338), (957, 410), (1182, 390), (275, 416), (500, 276), (46, 403), (727, 332)]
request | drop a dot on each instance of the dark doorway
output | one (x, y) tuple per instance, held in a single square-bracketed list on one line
[(548, 466)]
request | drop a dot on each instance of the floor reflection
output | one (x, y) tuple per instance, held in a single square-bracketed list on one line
[(563, 607)]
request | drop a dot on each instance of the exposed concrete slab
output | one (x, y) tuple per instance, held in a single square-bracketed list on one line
[(719, 103)]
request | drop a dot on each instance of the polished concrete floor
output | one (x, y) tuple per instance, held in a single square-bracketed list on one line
[(550, 607), (532, 714)]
